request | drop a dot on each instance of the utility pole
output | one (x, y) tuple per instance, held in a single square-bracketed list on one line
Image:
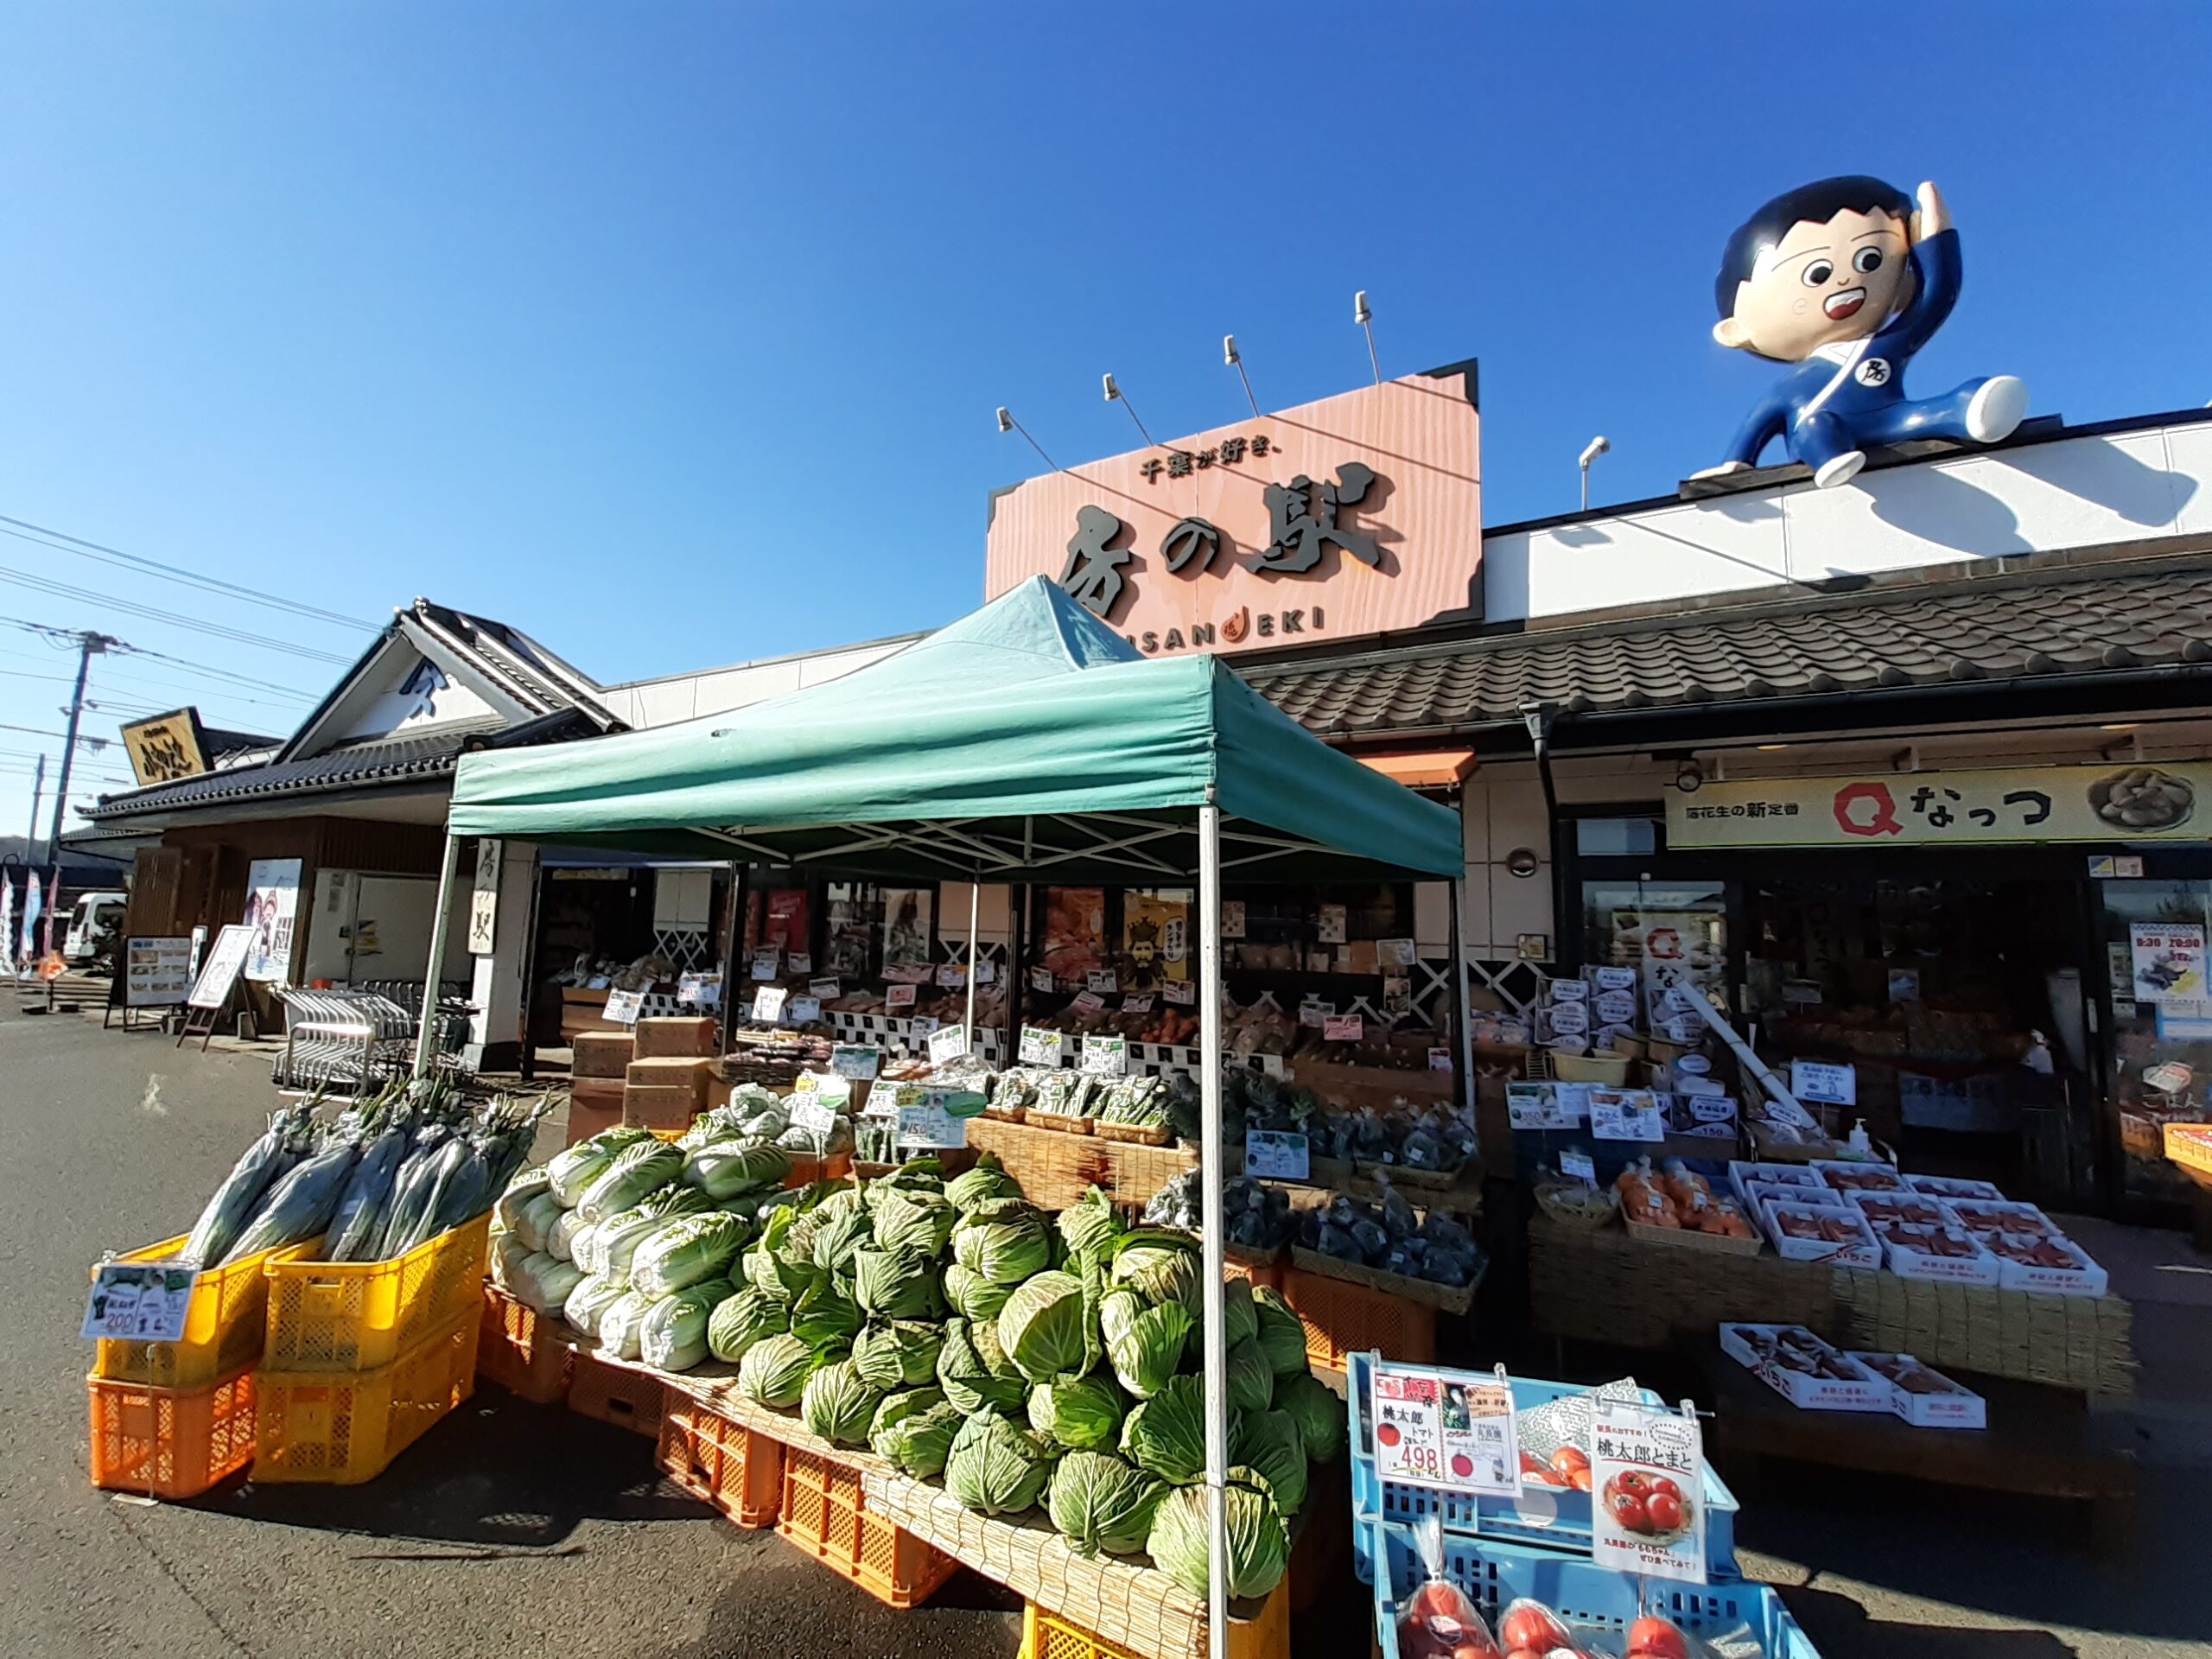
[(88, 644), (30, 840)]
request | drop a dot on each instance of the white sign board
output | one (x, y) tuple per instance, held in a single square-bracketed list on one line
[(829, 990), (1101, 980), (950, 976), (272, 900), (623, 1007), (1542, 1106), (157, 972), (1626, 1114), (803, 1010), (800, 963), (764, 964), (1106, 1056), (1180, 993), (1343, 1028), (949, 1043), (2169, 961), (1042, 1048), (1647, 1489), (932, 1121), (814, 1112), (855, 1061), (1444, 1429), (136, 1301), (1040, 979), (899, 996), (1137, 1002), (484, 900), (700, 990), (768, 1004), (1275, 1154), (1824, 1084)]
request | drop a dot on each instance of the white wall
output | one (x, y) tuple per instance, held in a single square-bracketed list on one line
[(716, 690)]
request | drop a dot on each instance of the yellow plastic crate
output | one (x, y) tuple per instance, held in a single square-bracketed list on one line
[(224, 1327), (340, 1428), (356, 1316), (1047, 1636)]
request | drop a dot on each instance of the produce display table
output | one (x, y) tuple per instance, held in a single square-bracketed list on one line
[(1601, 1286), (2040, 1441), (1056, 1168)]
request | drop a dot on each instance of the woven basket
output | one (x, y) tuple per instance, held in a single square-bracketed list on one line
[(1135, 1134), (1446, 1298), (1055, 1170)]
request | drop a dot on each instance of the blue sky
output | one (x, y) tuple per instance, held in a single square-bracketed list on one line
[(672, 334)]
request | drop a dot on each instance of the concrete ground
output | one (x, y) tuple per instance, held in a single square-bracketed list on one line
[(514, 1530)]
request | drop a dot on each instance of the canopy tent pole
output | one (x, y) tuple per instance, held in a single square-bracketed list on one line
[(740, 895), (975, 908), (1210, 1167), (1466, 1026), (426, 1022)]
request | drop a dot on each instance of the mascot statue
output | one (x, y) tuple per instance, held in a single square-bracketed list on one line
[(1845, 280)]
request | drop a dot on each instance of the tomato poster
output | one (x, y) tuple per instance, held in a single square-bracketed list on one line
[(1445, 1429), (1646, 1478)]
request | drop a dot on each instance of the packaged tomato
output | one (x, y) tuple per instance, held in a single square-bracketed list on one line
[(1438, 1621)]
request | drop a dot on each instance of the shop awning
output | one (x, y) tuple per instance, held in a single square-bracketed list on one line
[(1025, 740), (1430, 769)]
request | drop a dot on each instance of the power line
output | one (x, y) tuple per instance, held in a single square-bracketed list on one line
[(105, 555), (130, 607)]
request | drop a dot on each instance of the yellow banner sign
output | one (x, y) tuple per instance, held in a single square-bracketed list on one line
[(166, 748), (1945, 809)]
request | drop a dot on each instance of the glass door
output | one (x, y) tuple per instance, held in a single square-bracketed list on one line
[(2159, 1051)]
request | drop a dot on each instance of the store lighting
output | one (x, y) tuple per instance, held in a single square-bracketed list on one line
[(1235, 360), (1599, 445), (2119, 726), (1363, 315), (1114, 395), (1689, 777), (1007, 423), (1769, 748)]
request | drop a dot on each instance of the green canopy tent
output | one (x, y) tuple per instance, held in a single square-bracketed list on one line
[(1025, 741)]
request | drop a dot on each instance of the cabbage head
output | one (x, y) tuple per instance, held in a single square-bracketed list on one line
[(636, 1171), (775, 1370), (1100, 1501), (1117, 1311), (1251, 1384), (971, 1295), (777, 1264), (1045, 1327), (1090, 1227), (546, 1281), (1161, 1272), (839, 1237), (979, 1186), (1240, 1316), (593, 1295), (723, 1169), (1005, 1240), (1145, 1354), (996, 1467), (742, 1321), (896, 1284), (914, 1430), (921, 1175), (823, 1316), (689, 1250), (1082, 1412), (1259, 1543), (623, 1324), (974, 1372), (1167, 1435), (908, 1220), (838, 1405), (1269, 1443), (898, 1353), (1283, 1333), (570, 1171), (1319, 1414)]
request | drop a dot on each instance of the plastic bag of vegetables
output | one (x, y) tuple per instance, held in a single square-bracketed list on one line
[(561, 1240), (520, 1191), (838, 1404), (593, 1295), (674, 1335), (299, 1204), (689, 1250), (743, 1320), (638, 1172), (609, 1245), (775, 1371), (1100, 1501), (996, 1468), (534, 1222), (1259, 1543), (570, 1171), (914, 1429), (232, 1205)]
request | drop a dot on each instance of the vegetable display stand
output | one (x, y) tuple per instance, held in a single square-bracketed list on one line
[(623, 1395), (340, 1428), (527, 1353), (1047, 1636), (721, 1461), (358, 1316), (1342, 1318), (825, 1514), (1056, 1169), (224, 1327), (807, 1168), (172, 1443)]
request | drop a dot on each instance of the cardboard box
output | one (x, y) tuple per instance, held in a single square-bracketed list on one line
[(1801, 1176), (2084, 1278), (650, 1106), (1754, 1347), (668, 1071), (1934, 1401), (689, 1037), (1864, 1251), (601, 1054), (593, 1104)]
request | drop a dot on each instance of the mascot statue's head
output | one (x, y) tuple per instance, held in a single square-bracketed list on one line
[(1844, 280)]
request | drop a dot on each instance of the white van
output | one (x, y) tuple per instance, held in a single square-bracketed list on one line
[(95, 924)]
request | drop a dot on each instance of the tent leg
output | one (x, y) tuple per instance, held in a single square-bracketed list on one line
[(426, 1024), (1209, 1166), (1465, 1031), (975, 910), (740, 900)]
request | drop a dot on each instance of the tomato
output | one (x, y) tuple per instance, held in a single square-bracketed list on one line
[(1651, 1638), (1532, 1627), (1666, 1511), (1629, 1510), (1661, 1483), (1632, 1480), (1579, 1479), (1570, 1456)]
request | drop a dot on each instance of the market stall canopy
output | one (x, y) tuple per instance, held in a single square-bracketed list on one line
[(1027, 740)]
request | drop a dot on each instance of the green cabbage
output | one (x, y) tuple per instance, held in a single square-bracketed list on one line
[(923, 1175), (896, 1284), (1117, 1311), (623, 1323), (1090, 1227), (1148, 1351), (777, 1264), (1283, 1333), (824, 1317), (689, 1250), (840, 1237), (898, 1353), (914, 1431), (971, 1295), (1005, 1240), (775, 1371), (1319, 1414), (1099, 1501), (1081, 1412), (1045, 1327), (744, 1319), (571, 1171), (838, 1405), (1161, 1272), (986, 1181), (723, 1169), (996, 1468), (636, 1171), (974, 1372), (1167, 1435), (1259, 1543), (1240, 1318), (593, 1295), (921, 1222), (1251, 1384), (1269, 1443)]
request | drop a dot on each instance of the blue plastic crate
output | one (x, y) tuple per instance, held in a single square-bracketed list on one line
[(1543, 1520), (1495, 1574)]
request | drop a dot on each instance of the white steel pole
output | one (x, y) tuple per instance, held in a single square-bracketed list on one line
[(975, 908), (426, 1025), (1467, 1032), (1210, 1169)]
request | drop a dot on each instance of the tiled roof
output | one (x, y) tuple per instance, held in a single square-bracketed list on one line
[(2006, 624), (390, 761)]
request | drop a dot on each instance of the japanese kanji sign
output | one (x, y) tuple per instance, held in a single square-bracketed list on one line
[(1940, 809), (1445, 1428), (1647, 1475)]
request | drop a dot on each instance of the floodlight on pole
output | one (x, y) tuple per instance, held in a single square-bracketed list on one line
[(1363, 315), (1235, 360), (1007, 423), (1598, 446), (1114, 395)]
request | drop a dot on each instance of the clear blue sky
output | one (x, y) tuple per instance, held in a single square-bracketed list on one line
[(671, 333)]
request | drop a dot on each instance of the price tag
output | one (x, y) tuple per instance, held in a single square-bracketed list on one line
[(1394, 953), (136, 1302), (1313, 1012), (1276, 1154), (1343, 1028), (1180, 993), (1232, 920), (623, 1007), (814, 1113), (1446, 1429), (1106, 1056), (855, 1061), (1579, 1167), (950, 976), (921, 1025), (1440, 1060), (764, 964), (948, 1043), (829, 990), (800, 963), (1332, 925), (1626, 1114), (1647, 1486), (1088, 1002), (899, 996), (768, 1004), (1101, 980), (906, 973), (700, 990), (1539, 1106), (1041, 1047), (1137, 1002), (802, 1010), (987, 971), (1040, 979), (939, 1118), (1824, 1084)]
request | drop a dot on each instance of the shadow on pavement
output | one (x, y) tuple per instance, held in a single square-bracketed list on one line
[(1838, 1626)]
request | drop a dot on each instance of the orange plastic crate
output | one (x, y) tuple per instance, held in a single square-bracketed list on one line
[(624, 1398), (223, 1327), (721, 1462), (1347, 1319), (526, 1352), (342, 1427), (357, 1316), (170, 1443), (824, 1515)]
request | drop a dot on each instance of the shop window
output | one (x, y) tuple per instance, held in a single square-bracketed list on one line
[(2161, 1043), (1616, 837)]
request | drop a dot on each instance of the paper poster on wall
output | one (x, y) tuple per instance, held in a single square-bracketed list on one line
[(2168, 961), (1332, 925), (1232, 919), (1074, 931), (272, 900), (1824, 1083), (906, 923)]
